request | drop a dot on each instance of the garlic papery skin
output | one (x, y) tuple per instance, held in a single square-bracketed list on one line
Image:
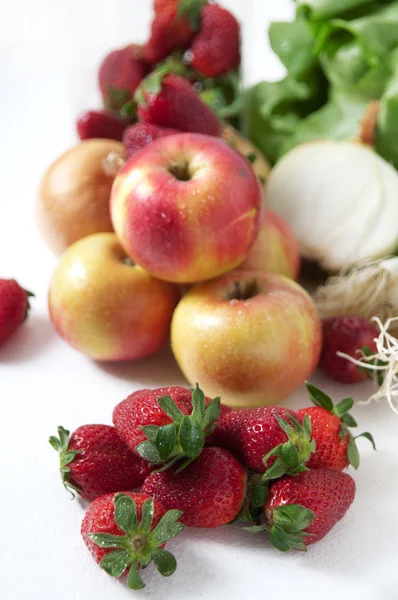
[(368, 289), (385, 363), (340, 199)]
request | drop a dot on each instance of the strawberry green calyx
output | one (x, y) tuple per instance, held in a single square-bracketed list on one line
[(183, 438), (60, 444), (256, 497), (152, 84), (140, 545), (341, 410), (28, 306), (285, 525), (292, 455), (192, 9)]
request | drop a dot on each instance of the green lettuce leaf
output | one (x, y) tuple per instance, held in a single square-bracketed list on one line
[(339, 55), (338, 119), (386, 143), (325, 9)]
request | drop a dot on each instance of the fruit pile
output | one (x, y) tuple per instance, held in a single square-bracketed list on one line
[(200, 464), (175, 200)]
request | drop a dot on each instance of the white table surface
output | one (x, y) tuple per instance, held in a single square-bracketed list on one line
[(48, 58)]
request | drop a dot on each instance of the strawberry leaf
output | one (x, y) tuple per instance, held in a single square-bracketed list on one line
[(369, 437), (164, 561), (150, 432), (106, 540), (168, 527), (352, 453), (148, 452), (343, 407), (147, 511), (125, 513), (165, 440), (191, 9), (66, 457), (198, 402), (211, 414), (349, 420), (134, 580), (191, 437), (319, 398), (293, 518), (286, 541), (116, 562), (171, 409)]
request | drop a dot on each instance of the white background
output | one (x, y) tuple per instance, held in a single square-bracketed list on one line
[(49, 51)]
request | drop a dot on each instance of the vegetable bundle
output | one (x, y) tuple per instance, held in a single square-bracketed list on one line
[(339, 56)]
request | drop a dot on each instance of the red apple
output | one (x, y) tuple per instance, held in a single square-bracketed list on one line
[(250, 337), (186, 207), (106, 307), (275, 249)]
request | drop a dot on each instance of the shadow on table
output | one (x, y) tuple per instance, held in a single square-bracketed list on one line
[(160, 369), (29, 340)]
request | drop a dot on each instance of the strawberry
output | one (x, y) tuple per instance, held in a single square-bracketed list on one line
[(261, 437), (119, 75), (125, 532), (95, 461), (349, 335), (301, 510), (169, 100), (335, 445), (209, 492), (139, 135), (100, 124), (215, 49), (172, 28), (14, 307), (166, 425)]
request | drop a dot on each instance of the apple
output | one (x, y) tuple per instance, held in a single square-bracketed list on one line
[(275, 249), (106, 307), (75, 191), (250, 337), (260, 165), (186, 207)]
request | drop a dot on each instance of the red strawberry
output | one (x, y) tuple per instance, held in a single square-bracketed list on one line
[(172, 28), (100, 124), (14, 307), (256, 435), (119, 75), (349, 335), (95, 461), (125, 532), (167, 424), (335, 445), (215, 49), (301, 510), (139, 135), (209, 492), (171, 101)]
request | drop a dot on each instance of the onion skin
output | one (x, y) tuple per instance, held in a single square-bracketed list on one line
[(340, 199)]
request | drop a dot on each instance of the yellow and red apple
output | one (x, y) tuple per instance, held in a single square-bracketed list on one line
[(186, 207), (250, 337), (106, 307), (275, 249), (75, 191)]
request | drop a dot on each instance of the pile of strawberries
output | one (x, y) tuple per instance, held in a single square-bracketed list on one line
[(200, 464), (190, 61)]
